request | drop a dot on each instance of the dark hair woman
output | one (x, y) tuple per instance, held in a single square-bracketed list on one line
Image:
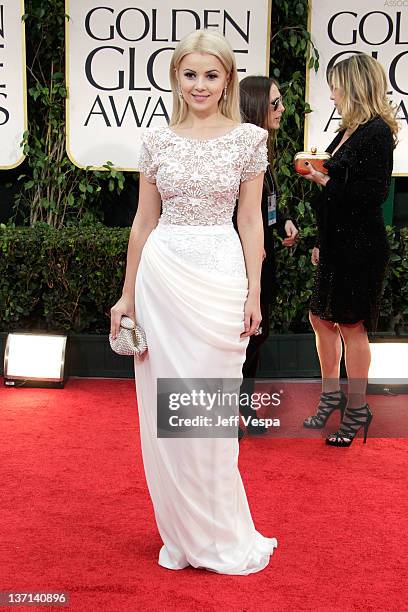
[(352, 252), (262, 104)]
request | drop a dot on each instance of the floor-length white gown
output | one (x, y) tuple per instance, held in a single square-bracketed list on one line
[(190, 291)]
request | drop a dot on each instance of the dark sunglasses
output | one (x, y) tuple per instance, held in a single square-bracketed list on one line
[(275, 103)]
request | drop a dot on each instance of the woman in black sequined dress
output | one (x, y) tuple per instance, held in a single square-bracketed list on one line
[(352, 251)]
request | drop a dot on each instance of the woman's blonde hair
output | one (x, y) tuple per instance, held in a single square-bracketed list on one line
[(364, 86), (205, 41)]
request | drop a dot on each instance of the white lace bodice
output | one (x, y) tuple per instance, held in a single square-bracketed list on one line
[(199, 180)]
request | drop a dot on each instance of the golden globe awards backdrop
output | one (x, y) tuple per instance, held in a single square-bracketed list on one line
[(340, 28), (13, 90), (118, 55)]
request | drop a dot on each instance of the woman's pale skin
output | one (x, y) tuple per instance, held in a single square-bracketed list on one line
[(329, 334), (273, 123), (201, 78)]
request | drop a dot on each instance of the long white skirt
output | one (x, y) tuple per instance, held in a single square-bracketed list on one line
[(192, 312)]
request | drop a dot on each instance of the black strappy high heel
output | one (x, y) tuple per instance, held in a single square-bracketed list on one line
[(329, 402), (355, 419)]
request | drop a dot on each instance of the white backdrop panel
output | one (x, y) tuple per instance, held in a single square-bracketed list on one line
[(118, 56), (13, 91)]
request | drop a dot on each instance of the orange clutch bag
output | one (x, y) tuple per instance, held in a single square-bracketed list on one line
[(313, 157)]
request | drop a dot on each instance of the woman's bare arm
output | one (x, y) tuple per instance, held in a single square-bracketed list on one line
[(250, 228), (146, 219)]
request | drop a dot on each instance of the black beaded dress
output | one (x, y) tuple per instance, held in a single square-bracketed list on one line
[(354, 251)]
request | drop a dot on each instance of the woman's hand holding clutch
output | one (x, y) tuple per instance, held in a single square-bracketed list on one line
[(124, 306), (314, 175)]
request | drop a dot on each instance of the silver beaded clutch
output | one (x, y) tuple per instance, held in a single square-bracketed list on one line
[(131, 339)]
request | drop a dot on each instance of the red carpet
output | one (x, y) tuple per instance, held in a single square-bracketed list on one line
[(76, 516)]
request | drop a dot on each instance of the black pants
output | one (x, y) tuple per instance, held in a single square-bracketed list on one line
[(250, 366)]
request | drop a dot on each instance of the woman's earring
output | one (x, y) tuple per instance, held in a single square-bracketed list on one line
[(225, 92), (179, 92)]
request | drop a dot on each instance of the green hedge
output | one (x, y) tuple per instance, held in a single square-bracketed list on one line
[(60, 280), (67, 280)]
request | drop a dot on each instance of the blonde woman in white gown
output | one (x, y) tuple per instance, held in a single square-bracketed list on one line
[(193, 285)]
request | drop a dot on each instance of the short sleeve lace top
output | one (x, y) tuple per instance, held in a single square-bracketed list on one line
[(199, 180)]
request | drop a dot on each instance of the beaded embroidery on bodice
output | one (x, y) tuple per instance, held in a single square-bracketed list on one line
[(199, 180)]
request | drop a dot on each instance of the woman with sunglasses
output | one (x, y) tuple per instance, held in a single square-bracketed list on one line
[(262, 105)]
